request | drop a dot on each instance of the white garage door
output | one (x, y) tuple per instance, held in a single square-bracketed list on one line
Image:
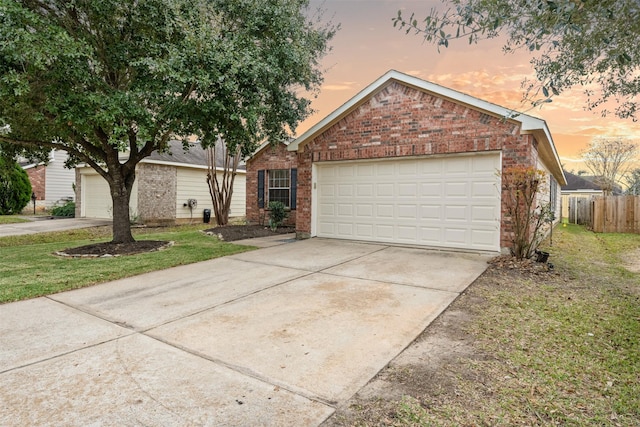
[(96, 197), (451, 201)]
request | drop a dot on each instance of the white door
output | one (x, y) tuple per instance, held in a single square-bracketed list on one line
[(449, 201)]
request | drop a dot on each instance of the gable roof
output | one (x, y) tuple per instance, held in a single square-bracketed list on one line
[(196, 156), (528, 124), (576, 182)]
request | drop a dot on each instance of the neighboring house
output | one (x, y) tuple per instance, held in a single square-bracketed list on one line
[(578, 188), (405, 161), (165, 184), (52, 183)]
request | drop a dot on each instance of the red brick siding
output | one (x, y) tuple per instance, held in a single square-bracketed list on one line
[(271, 157), (37, 177), (399, 121)]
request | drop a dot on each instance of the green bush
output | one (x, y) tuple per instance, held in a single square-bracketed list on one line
[(67, 210), (15, 188), (277, 214)]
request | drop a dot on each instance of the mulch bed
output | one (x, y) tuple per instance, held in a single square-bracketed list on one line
[(115, 249), (230, 233)]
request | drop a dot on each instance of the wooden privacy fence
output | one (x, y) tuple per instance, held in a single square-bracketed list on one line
[(579, 210), (616, 214)]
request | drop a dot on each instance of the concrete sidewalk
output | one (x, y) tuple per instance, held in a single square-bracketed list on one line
[(278, 336), (47, 224)]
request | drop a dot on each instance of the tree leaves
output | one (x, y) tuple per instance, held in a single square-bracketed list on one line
[(587, 44)]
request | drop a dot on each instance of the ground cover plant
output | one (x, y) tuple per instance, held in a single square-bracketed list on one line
[(29, 269), (524, 345)]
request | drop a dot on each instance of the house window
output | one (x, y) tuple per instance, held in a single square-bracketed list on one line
[(279, 186)]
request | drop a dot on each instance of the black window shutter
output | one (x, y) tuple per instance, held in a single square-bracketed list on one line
[(261, 188), (294, 186)]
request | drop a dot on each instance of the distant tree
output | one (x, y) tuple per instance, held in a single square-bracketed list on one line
[(15, 188), (609, 160), (112, 81), (592, 44), (633, 179)]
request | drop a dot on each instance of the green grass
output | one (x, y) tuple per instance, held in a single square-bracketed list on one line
[(563, 349), (11, 219), (29, 269)]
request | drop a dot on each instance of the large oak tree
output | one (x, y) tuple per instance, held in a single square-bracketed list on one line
[(588, 43), (111, 81)]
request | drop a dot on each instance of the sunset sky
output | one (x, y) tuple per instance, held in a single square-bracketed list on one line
[(368, 45)]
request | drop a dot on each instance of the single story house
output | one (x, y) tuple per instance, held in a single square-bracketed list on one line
[(170, 188), (406, 162), (52, 183)]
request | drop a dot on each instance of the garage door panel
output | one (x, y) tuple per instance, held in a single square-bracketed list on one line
[(327, 209), (457, 189), (431, 189), (446, 201), (364, 211), (346, 171), (484, 189), (485, 165), (385, 190), (384, 231), (365, 170), (455, 213), (483, 214), (327, 190), (345, 230), (407, 168), (457, 166), (407, 189), (364, 190), (364, 231), (482, 238), (407, 212), (455, 236), (431, 235), (407, 233), (345, 210), (345, 190), (384, 211), (431, 212)]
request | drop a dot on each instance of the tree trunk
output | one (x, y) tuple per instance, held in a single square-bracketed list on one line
[(221, 192), (120, 195)]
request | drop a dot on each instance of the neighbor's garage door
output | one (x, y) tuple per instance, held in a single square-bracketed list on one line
[(451, 201), (96, 197)]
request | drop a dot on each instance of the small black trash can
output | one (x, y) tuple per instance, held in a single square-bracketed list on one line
[(542, 256), (207, 216)]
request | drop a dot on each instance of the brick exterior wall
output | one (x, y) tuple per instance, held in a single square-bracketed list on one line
[(157, 186), (37, 177), (398, 121), (271, 157)]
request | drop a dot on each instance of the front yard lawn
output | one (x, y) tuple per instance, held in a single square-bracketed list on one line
[(29, 269)]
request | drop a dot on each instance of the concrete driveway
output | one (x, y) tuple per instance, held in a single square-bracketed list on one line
[(46, 224), (278, 336)]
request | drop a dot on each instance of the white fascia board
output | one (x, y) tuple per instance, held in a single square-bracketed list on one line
[(184, 165)]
